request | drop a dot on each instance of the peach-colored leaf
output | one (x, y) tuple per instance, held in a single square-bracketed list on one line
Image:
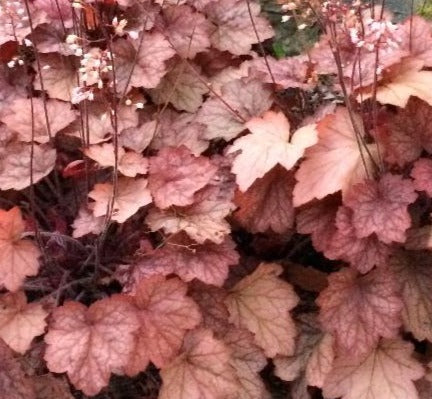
[(406, 81), (261, 302), (19, 118), (90, 343), (386, 372), (20, 322), (360, 309), (131, 195), (19, 257), (335, 162), (14, 384), (129, 163), (414, 274), (269, 144), (165, 314), (86, 222), (202, 370), (176, 175)]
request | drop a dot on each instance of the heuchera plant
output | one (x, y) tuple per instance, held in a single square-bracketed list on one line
[(184, 216)]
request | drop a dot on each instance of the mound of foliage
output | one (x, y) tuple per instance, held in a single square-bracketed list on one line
[(184, 216)]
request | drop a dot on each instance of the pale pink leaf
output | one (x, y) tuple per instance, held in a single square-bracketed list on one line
[(175, 129), (165, 314), (269, 144), (87, 223), (261, 302), (15, 161), (131, 195), (386, 372), (188, 31), (60, 115), (149, 68), (176, 175), (235, 30), (203, 220), (20, 322), (90, 343), (202, 370), (242, 100)]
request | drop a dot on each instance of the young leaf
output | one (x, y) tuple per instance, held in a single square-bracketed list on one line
[(382, 207), (261, 302), (90, 343), (131, 195), (202, 370), (386, 372), (360, 309), (176, 175), (335, 162), (20, 322), (267, 204), (19, 257), (165, 314), (269, 144), (414, 274), (86, 223)]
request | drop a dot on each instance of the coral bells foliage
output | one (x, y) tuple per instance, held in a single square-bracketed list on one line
[(185, 216)]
